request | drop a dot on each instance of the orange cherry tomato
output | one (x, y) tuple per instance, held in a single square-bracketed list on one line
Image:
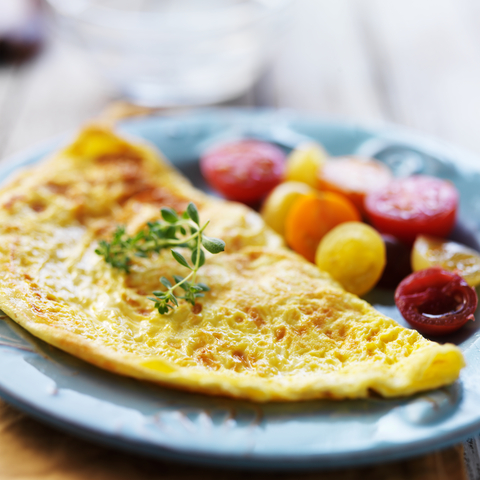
[(354, 177), (314, 215)]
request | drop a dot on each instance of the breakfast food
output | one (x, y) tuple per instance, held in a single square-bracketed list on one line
[(397, 265), (304, 162), (355, 177), (353, 253), (431, 251), (323, 226), (243, 170), (276, 206), (436, 301), (272, 326), (312, 216), (412, 206)]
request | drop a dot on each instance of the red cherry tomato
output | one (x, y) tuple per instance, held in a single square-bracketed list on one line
[(414, 205), (244, 170), (355, 177), (436, 301)]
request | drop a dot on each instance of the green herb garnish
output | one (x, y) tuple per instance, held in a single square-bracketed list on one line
[(174, 231)]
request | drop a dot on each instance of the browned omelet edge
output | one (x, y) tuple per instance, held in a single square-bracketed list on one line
[(425, 364)]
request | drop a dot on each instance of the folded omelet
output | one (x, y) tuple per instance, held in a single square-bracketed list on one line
[(272, 326)]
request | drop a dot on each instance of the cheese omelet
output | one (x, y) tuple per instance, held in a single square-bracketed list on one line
[(272, 327)]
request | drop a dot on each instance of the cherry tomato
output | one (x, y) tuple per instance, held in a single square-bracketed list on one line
[(436, 301), (354, 177), (278, 203), (244, 170), (398, 262), (312, 216), (411, 206), (304, 162), (353, 253), (455, 257)]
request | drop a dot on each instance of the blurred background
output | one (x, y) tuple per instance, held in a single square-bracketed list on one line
[(414, 63)]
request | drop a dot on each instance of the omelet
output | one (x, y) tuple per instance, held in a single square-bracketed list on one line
[(272, 327)]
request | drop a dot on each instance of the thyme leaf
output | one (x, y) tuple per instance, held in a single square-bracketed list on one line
[(173, 231)]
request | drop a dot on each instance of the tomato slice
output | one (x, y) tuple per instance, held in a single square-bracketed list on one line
[(436, 301), (415, 205), (455, 257), (243, 170), (354, 177)]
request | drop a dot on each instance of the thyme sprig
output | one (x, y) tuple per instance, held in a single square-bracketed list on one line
[(174, 231)]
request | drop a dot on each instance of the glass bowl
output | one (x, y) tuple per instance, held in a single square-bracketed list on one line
[(176, 52)]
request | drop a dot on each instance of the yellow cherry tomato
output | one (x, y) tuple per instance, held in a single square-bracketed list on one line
[(353, 253), (304, 162), (431, 251), (277, 205)]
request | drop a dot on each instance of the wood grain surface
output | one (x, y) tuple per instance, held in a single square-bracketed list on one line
[(415, 63), (30, 450)]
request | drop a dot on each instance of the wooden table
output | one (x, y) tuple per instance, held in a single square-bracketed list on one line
[(414, 63)]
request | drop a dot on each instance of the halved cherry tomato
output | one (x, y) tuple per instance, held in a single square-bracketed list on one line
[(304, 162), (276, 206), (353, 253), (435, 301), (398, 262), (411, 206), (354, 177), (455, 257), (312, 216), (244, 170)]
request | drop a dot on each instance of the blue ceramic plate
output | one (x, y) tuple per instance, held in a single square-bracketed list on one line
[(137, 416)]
